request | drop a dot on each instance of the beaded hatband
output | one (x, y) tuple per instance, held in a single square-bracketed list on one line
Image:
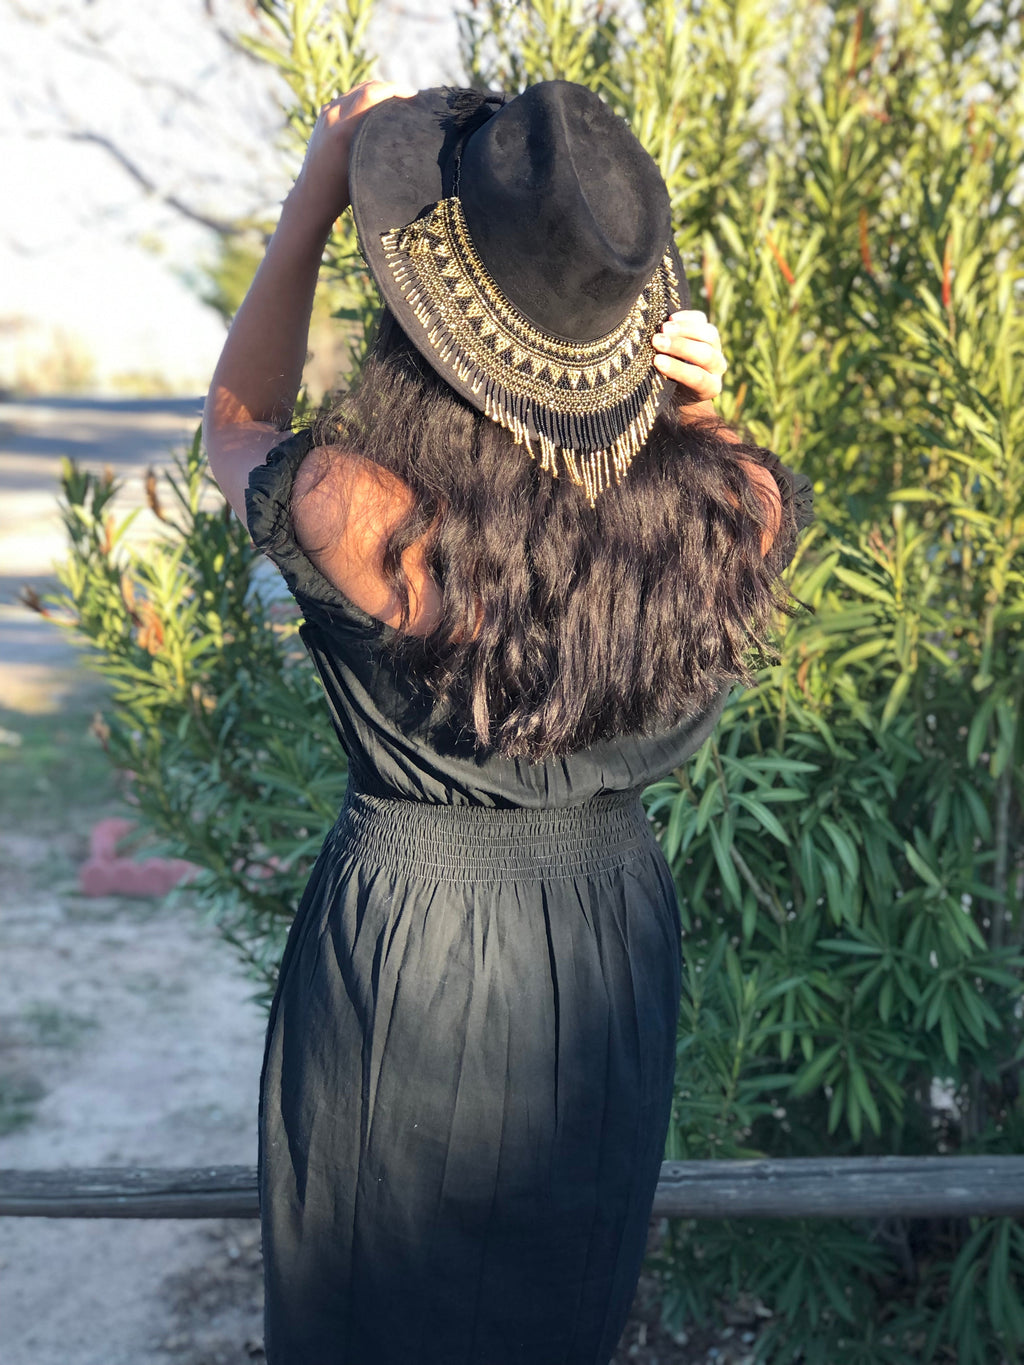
[(590, 405)]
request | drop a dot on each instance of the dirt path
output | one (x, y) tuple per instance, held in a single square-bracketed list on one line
[(37, 662), (127, 1035)]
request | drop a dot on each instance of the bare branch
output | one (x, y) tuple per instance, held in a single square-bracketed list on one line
[(94, 52), (221, 226)]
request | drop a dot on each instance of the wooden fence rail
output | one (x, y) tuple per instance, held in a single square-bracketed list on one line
[(818, 1187)]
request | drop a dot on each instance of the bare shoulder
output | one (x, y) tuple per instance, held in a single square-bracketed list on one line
[(344, 508), (337, 493)]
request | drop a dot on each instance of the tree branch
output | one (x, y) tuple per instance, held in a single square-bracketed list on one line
[(221, 226)]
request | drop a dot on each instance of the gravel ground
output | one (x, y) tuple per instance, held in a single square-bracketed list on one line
[(127, 1037)]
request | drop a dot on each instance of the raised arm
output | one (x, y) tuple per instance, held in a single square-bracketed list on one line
[(257, 377)]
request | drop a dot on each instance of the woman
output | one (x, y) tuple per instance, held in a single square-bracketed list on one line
[(529, 558)]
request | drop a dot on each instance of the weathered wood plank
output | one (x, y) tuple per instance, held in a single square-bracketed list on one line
[(819, 1187), (842, 1187), (131, 1192)]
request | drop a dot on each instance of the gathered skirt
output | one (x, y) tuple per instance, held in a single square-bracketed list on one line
[(467, 1086)]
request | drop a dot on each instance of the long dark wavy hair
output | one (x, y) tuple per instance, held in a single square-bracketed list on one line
[(619, 619)]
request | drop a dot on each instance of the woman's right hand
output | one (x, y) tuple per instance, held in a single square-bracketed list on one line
[(321, 187), (690, 352)]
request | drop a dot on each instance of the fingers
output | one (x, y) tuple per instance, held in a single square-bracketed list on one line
[(702, 353), (694, 324), (691, 315), (365, 95), (374, 92), (689, 351), (695, 377)]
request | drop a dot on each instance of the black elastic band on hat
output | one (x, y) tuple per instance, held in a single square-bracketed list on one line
[(468, 110)]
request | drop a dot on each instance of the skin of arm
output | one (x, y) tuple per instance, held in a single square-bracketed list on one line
[(252, 392)]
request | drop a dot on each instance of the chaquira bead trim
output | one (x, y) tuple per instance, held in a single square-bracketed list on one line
[(590, 406)]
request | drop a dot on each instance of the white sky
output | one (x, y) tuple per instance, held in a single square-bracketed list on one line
[(87, 258)]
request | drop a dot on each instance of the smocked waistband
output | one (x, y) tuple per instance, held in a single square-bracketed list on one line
[(483, 843)]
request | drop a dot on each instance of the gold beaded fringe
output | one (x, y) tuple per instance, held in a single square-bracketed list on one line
[(590, 406)]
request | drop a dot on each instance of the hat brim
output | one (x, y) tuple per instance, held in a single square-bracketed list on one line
[(397, 176), (395, 168)]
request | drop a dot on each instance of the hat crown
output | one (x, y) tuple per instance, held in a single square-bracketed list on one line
[(527, 253), (568, 212)]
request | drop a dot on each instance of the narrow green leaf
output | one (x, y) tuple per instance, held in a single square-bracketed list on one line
[(726, 866), (865, 586), (767, 818), (948, 1028), (844, 846), (810, 1075), (919, 865)]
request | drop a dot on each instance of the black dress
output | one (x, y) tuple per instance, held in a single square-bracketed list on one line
[(469, 1060)]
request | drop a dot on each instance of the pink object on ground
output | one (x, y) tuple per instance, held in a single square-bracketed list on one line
[(106, 873)]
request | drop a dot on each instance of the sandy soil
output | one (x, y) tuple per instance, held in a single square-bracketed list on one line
[(127, 1037)]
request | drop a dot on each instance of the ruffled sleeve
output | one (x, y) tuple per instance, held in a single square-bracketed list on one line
[(803, 499), (268, 516), (799, 489)]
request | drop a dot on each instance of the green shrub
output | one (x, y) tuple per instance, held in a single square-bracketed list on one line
[(849, 845), (214, 711)]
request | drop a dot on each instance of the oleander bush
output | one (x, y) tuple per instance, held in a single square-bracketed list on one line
[(849, 845), (214, 715)]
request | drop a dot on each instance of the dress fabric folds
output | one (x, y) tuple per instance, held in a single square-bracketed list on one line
[(469, 1062)]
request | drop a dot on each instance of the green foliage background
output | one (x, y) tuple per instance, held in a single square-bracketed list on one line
[(849, 846)]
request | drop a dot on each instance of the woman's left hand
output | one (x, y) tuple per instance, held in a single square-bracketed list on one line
[(322, 184), (690, 352)]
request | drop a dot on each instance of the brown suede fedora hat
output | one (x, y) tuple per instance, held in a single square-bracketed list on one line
[(524, 244)]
